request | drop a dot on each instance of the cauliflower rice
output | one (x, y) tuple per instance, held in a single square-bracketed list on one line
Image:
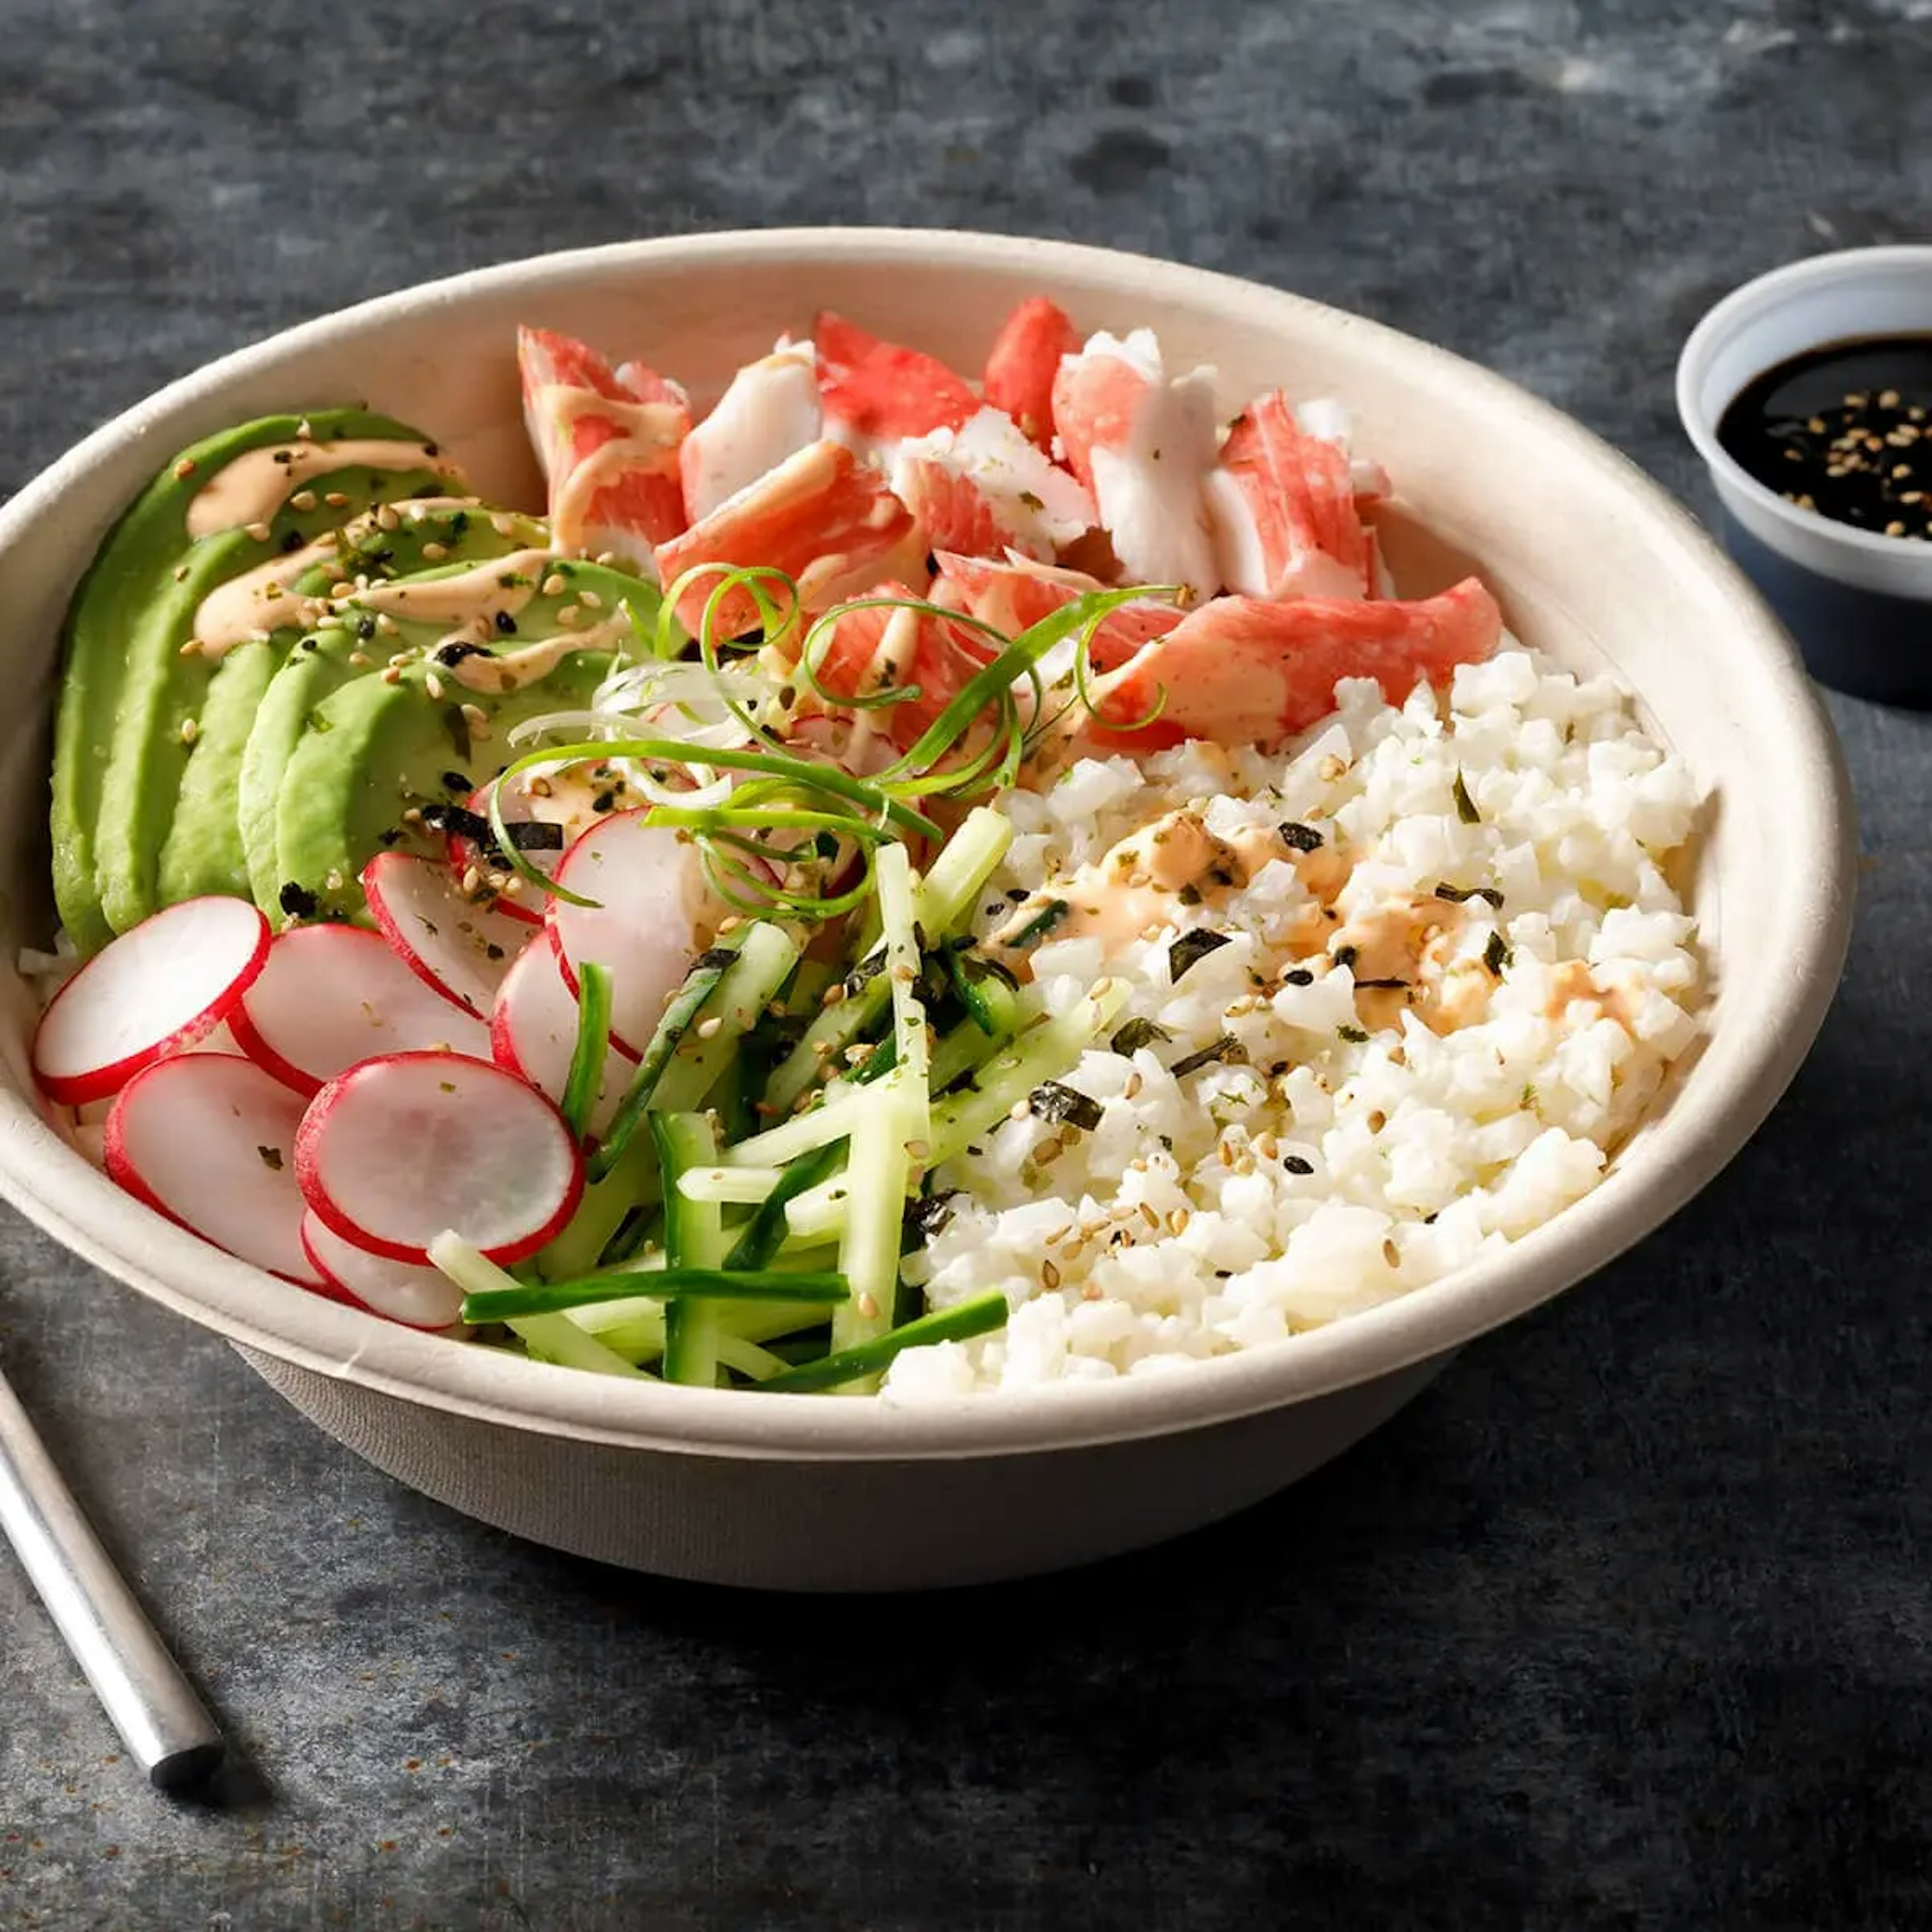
[(1345, 1150)]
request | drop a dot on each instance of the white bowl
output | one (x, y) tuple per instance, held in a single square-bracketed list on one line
[(1592, 563), (1858, 603)]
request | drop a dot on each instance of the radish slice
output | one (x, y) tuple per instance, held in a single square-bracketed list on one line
[(533, 1031), (333, 996), (520, 807), (418, 1297), (395, 1150), (461, 949), (208, 1139), (654, 914), (160, 987)]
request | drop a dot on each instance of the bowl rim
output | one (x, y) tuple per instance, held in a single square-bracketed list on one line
[(1706, 1123), (1753, 298)]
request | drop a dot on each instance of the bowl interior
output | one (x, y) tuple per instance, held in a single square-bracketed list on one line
[(1591, 563)]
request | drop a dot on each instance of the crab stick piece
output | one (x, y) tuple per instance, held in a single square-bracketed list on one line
[(1024, 358), (822, 517), (1245, 670), (608, 445), (880, 648), (876, 392), (1283, 503), (770, 412), (1014, 596), (983, 489), (1144, 444)]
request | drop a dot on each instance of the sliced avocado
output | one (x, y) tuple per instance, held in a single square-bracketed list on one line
[(128, 690), (377, 748), (204, 851)]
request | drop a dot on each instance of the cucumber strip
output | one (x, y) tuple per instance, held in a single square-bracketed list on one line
[(974, 995), (761, 1236), (966, 1048), (1006, 1079), (819, 1214), (739, 1187), (673, 1284), (943, 899), (699, 983), (581, 1085), (778, 1147), (547, 1338), (630, 1181), (899, 915), (968, 860), (879, 1169), (767, 955), (635, 1328), (694, 1238), (960, 1323), (749, 1359)]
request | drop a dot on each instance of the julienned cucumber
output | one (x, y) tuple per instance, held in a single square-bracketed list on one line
[(549, 1338), (694, 1238), (941, 903)]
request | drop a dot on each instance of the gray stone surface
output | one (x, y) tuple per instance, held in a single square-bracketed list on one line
[(1624, 1623)]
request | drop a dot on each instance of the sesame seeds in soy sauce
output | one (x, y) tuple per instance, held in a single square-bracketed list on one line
[(1844, 429)]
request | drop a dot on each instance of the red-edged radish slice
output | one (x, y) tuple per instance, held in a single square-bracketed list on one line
[(533, 1031), (520, 807), (418, 1297), (461, 949), (654, 914), (208, 1139), (160, 987), (395, 1150), (332, 996)]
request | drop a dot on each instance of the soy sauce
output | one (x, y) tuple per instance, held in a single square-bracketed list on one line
[(1846, 430)]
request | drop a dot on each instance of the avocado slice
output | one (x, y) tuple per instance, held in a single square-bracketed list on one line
[(204, 851), (371, 751), (128, 689)]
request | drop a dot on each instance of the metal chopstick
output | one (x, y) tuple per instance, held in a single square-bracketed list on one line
[(160, 1720)]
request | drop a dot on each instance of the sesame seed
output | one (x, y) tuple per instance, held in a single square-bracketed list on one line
[(184, 469), (360, 659), (1018, 1111), (1177, 1222), (590, 600), (918, 1149), (1049, 1276), (190, 731), (304, 433), (259, 531), (386, 518), (867, 1307), (710, 1028), (433, 686), (336, 500), (834, 994), (303, 500), (1894, 528), (568, 616), (552, 585), (392, 676), (504, 526)]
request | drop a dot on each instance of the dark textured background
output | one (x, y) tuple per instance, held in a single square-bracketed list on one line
[(1624, 1623)]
